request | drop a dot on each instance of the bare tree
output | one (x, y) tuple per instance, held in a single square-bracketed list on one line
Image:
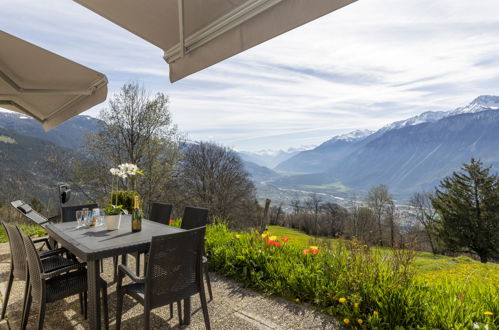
[(390, 219), (213, 176), (378, 199), (336, 215), (136, 128), (296, 205), (313, 203), (426, 216)]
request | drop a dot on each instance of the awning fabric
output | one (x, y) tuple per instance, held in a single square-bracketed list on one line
[(195, 34), (43, 85)]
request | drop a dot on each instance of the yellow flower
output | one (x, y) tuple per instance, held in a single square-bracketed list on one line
[(314, 247), (273, 238), (342, 300), (356, 305), (346, 321), (297, 299), (238, 236), (359, 321), (375, 313), (265, 234), (489, 313)]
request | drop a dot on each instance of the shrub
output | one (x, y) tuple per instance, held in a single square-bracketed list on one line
[(124, 198), (348, 280)]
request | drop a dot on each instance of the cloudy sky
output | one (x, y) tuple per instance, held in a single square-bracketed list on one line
[(363, 66)]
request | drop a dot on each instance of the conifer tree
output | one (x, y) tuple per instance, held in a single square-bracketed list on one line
[(467, 203)]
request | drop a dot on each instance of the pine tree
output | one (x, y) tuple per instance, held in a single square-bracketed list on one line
[(467, 203)]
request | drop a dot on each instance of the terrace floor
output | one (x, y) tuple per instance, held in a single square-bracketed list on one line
[(233, 307)]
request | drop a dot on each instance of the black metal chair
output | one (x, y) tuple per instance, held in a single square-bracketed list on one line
[(160, 212), (48, 286), (51, 260), (68, 213), (195, 217), (174, 272)]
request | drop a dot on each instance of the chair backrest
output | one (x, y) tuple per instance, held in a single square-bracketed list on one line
[(17, 251), (174, 268), (26, 210), (160, 212), (68, 213), (194, 217), (34, 267)]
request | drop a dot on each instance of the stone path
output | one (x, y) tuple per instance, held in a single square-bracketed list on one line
[(233, 307)]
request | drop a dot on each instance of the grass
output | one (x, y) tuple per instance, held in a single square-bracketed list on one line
[(363, 287), (31, 230), (424, 261), (337, 186), (6, 139)]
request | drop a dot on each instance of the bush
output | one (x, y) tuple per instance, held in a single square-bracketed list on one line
[(349, 280), (124, 198)]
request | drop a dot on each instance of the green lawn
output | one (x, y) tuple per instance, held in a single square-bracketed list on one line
[(6, 139), (429, 265), (337, 186)]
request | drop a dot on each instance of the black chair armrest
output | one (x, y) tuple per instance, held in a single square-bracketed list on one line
[(122, 269), (54, 252), (62, 270), (45, 240)]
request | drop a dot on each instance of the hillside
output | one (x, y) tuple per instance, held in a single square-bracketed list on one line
[(70, 134), (25, 169)]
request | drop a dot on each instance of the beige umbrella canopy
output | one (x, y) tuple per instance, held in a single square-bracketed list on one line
[(195, 34), (43, 85)]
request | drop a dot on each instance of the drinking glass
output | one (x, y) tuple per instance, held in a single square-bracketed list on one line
[(79, 218), (87, 217)]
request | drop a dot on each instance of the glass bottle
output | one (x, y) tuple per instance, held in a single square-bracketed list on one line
[(136, 216)]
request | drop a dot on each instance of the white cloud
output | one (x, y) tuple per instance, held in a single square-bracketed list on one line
[(363, 66)]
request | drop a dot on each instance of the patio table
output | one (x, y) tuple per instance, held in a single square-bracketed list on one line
[(91, 245)]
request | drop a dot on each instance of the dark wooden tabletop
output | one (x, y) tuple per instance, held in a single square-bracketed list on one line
[(96, 243)]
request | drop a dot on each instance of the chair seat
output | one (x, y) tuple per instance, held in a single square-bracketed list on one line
[(136, 290), (55, 262), (68, 284)]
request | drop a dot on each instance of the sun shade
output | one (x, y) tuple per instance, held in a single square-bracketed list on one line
[(43, 85), (195, 34)]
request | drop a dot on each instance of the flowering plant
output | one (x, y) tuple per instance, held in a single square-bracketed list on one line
[(123, 172)]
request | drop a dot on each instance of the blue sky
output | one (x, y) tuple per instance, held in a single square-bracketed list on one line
[(361, 67)]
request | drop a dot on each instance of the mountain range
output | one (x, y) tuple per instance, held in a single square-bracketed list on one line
[(409, 155)]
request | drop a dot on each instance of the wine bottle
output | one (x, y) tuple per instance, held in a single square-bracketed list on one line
[(136, 216)]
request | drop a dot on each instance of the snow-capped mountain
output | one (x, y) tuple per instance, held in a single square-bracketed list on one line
[(408, 156), (481, 103), (349, 137), (334, 150), (270, 158)]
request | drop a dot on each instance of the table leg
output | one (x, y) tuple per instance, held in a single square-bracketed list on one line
[(187, 311), (93, 295)]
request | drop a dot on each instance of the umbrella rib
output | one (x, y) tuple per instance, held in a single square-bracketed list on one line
[(181, 27), (20, 90), (102, 81), (225, 23), (23, 109)]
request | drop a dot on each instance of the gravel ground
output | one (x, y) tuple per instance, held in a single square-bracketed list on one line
[(233, 307)]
